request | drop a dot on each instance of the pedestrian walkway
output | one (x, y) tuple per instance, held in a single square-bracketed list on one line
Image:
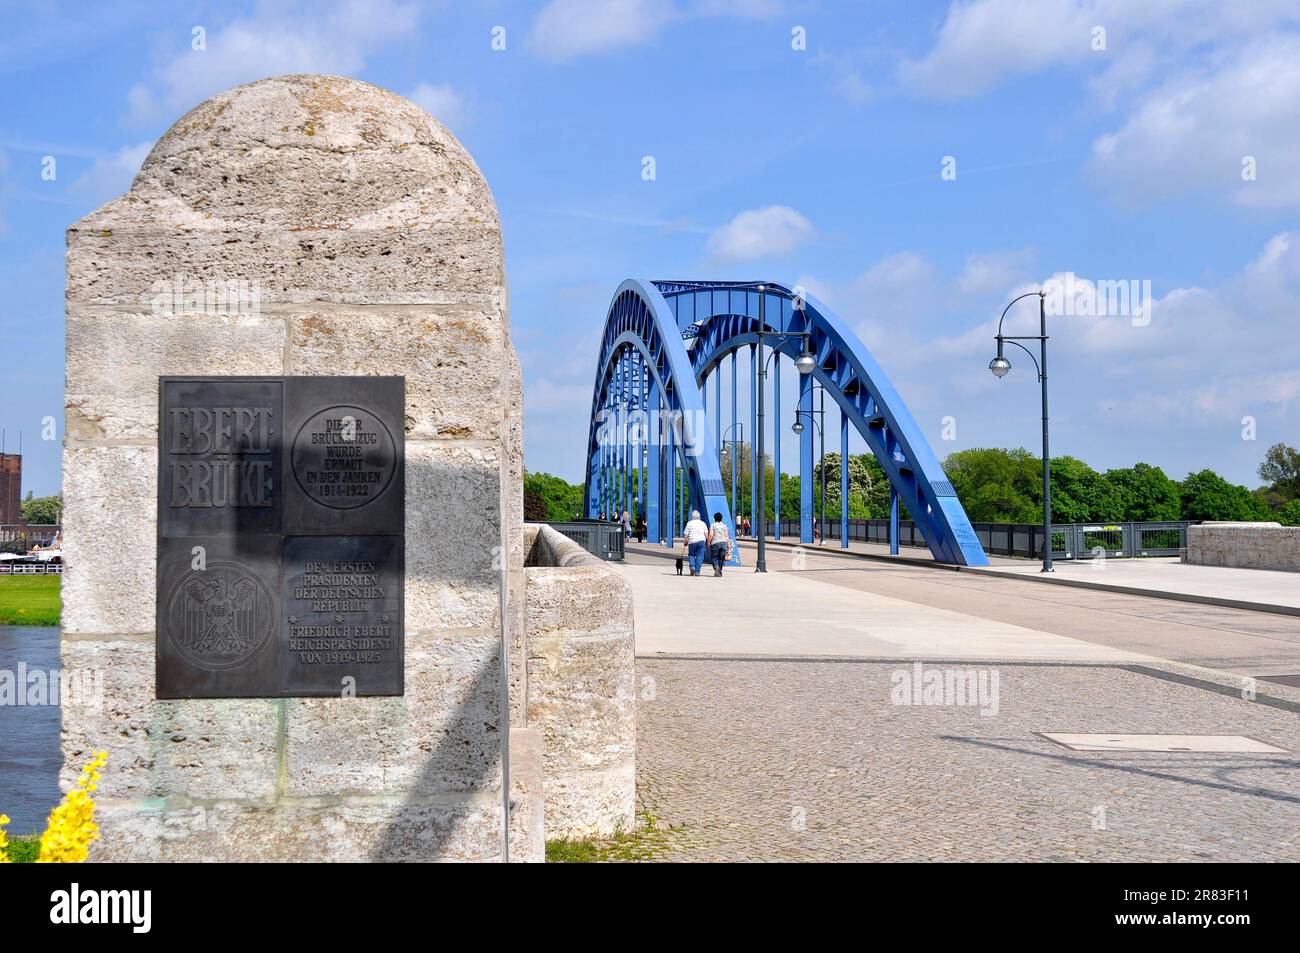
[(1159, 577), (771, 725)]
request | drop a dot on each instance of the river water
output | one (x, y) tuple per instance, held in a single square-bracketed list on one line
[(29, 734)]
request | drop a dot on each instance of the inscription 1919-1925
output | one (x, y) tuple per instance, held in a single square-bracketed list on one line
[(280, 536)]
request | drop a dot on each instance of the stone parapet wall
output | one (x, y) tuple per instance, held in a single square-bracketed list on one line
[(581, 685), (1244, 545)]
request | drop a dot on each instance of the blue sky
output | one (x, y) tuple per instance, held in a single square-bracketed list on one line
[(1117, 155)]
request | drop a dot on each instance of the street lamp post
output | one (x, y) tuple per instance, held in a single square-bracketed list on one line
[(1000, 367), (804, 364), (797, 427), (735, 462)]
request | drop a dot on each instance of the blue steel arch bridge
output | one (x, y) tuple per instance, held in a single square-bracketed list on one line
[(655, 439)]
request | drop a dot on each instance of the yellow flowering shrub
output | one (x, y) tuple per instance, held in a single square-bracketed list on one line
[(72, 826), (4, 843)]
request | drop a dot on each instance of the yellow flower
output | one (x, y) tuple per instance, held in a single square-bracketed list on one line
[(4, 843), (72, 826)]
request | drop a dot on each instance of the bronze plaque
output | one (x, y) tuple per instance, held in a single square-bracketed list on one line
[(281, 518)]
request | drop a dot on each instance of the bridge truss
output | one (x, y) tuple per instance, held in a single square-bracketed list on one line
[(654, 443)]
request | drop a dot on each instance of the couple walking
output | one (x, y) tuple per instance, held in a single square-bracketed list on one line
[(700, 539)]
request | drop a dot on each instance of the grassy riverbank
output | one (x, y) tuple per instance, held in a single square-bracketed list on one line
[(29, 600)]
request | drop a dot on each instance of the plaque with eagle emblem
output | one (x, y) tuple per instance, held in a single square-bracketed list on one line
[(281, 515)]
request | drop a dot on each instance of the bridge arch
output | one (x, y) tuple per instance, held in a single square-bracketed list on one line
[(685, 329), (646, 404)]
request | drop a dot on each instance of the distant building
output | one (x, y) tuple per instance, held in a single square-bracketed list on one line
[(11, 480)]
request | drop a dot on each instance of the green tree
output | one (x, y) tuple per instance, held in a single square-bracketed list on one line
[(1289, 515), (997, 486), (745, 491), (561, 501), (1281, 471), (45, 510), (860, 480), (1081, 495), (1207, 496), (1145, 493)]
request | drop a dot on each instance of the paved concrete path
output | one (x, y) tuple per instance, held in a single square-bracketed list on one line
[(915, 607), (1172, 577), (771, 730), (1168, 576), (799, 613), (748, 760)]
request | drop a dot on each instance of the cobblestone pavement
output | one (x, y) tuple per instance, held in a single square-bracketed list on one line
[(808, 760)]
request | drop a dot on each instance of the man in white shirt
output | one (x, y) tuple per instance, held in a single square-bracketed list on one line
[(695, 534)]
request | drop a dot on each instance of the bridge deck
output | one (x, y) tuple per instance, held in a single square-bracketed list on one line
[(754, 745)]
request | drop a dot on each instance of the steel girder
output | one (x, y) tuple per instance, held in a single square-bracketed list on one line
[(639, 321), (722, 316)]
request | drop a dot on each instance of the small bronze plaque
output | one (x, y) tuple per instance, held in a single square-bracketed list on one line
[(281, 516)]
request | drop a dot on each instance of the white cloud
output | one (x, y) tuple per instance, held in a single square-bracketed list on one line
[(988, 272), (442, 102), (984, 43), (566, 29), (569, 28), (981, 44), (760, 233), (111, 175), (336, 37), (1195, 130)]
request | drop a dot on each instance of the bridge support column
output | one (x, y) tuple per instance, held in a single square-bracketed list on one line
[(776, 446), (670, 483), (806, 461), (717, 406), (653, 481), (753, 436), (643, 432), (844, 481), (735, 448)]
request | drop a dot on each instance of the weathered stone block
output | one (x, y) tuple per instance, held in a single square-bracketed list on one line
[(119, 263), (310, 831), (582, 694), (581, 684), (453, 536), (527, 797), (443, 735), (110, 511), (204, 748), (451, 355), (115, 359), (1245, 546)]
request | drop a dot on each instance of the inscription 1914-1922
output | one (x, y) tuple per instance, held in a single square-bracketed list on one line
[(280, 536)]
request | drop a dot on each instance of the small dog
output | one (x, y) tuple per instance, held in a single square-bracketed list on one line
[(679, 565)]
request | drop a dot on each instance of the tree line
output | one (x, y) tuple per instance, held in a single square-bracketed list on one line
[(1002, 486)]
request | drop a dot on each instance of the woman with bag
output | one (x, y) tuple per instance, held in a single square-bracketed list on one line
[(719, 544)]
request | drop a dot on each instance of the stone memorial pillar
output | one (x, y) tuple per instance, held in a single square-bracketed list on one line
[(298, 227)]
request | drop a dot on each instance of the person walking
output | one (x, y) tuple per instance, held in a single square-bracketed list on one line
[(719, 544), (695, 534), (627, 525)]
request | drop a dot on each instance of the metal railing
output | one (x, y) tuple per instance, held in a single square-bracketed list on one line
[(1069, 540), (600, 538), (15, 568)]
